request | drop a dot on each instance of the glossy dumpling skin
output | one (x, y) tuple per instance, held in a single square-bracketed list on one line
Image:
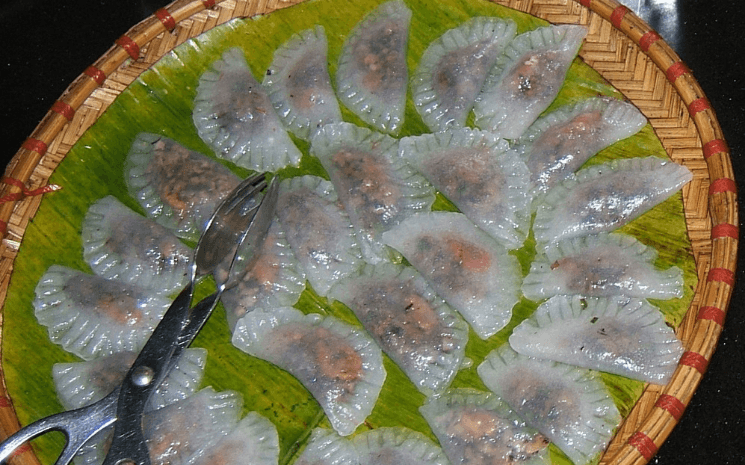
[(235, 117), (274, 278), (526, 79), (299, 85), (601, 265), (372, 75), (419, 331), (453, 68), (377, 188), (178, 187), (568, 405), (340, 365), (253, 441), (619, 335), (476, 427), (319, 231), (396, 446), (92, 317), (604, 197), (82, 383), (476, 171), (123, 245), (463, 264), (558, 144), (325, 447)]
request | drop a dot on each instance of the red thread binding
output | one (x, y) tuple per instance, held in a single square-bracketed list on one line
[(21, 450), (725, 230), (721, 275), (3, 227), (714, 147), (165, 17), (129, 46), (676, 70), (25, 192), (647, 40), (643, 444), (672, 405), (616, 18), (35, 145), (585, 3), (698, 105), (208, 3), (63, 109), (712, 314), (694, 360), (722, 185), (95, 74), (5, 402)]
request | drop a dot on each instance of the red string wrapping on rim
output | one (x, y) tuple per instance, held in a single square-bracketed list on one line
[(63, 109), (129, 46), (722, 185), (698, 105), (643, 444), (25, 192), (721, 275), (694, 360), (5, 402), (35, 145), (648, 39), (714, 147), (165, 17), (672, 405), (585, 3), (712, 314), (725, 230), (95, 74), (676, 70), (21, 450), (208, 3), (616, 18)]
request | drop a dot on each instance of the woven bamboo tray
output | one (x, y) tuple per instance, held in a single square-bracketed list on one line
[(620, 46)]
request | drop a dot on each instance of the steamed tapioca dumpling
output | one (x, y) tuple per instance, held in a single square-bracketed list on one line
[(604, 197), (325, 447), (396, 446), (618, 335), (235, 117), (372, 76), (178, 187), (453, 68), (559, 143), (253, 441), (478, 172), (377, 187), (299, 85), (526, 79)]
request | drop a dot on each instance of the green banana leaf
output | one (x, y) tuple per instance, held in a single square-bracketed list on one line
[(160, 101)]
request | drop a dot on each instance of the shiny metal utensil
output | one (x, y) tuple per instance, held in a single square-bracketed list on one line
[(237, 229)]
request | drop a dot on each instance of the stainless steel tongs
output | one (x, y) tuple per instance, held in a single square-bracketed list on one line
[(226, 249)]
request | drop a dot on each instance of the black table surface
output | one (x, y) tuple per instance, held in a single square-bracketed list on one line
[(48, 43)]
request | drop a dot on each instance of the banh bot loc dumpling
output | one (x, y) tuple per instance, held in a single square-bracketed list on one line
[(526, 79), (465, 266), (82, 383), (178, 187), (372, 76), (453, 68), (601, 265), (325, 447), (274, 278), (618, 335), (604, 197), (340, 365), (396, 446), (377, 188), (419, 331), (476, 427), (559, 143), (319, 231), (253, 441), (569, 405), (123, 245), (299, 85), (92, 317), (235, 117), (478, 172)]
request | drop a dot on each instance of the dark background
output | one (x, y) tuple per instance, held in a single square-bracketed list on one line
[(46, 44)]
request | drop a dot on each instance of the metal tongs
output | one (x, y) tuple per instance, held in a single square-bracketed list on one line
[(226, 249)]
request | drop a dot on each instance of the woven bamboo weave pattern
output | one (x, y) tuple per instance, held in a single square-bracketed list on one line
[(620, 46)]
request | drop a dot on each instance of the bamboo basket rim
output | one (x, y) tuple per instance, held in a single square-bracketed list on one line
[(660, 407)]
